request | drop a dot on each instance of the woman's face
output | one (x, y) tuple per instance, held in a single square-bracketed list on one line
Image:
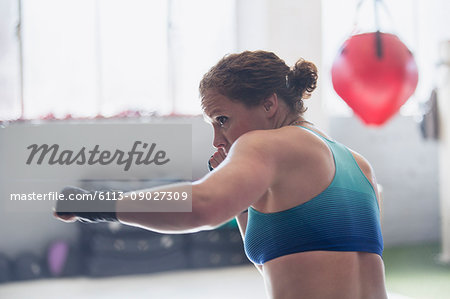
[(231, 119)]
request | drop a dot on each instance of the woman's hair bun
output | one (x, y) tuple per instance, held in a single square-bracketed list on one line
[(303, 78)]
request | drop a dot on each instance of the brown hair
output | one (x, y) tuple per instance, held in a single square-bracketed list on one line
[(252, 76)]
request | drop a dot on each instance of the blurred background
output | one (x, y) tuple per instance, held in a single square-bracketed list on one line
[(66, 63)]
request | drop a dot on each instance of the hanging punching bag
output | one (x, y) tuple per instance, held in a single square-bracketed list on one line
[(375, 74)]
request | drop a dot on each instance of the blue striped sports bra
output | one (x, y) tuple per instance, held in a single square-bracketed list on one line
[(344, 217)]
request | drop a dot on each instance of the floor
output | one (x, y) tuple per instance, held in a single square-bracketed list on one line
[(236, 282), (411, 273), (415, 271)]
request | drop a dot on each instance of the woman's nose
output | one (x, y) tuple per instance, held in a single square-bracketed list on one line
[(219, 140)]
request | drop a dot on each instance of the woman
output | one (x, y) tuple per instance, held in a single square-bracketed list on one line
[(313, 221)]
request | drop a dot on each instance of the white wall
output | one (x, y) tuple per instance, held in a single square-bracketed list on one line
[(33, 230), (444, 148), (292, 30)]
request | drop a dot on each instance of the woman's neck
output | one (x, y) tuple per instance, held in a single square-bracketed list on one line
[(290, 120)]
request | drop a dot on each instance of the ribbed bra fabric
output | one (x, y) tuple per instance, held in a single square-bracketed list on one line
[(344, 217)]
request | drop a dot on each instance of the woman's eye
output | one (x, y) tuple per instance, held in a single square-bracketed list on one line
[(221, 120)]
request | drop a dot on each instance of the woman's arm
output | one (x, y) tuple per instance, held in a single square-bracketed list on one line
[(241, 220), (242, 179)]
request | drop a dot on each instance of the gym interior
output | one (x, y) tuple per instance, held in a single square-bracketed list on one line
[(84, 68)]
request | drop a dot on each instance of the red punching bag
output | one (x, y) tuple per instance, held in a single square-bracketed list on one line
[(375, 74)]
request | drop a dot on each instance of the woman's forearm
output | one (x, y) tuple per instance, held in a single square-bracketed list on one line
[(132, 211)]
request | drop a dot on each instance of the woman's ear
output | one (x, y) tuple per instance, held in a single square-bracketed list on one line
[(270, 105)]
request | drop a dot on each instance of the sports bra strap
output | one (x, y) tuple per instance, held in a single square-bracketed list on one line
[(315, 133)]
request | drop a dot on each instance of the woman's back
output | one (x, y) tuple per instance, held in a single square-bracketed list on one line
[(303, 257), (325, 274)]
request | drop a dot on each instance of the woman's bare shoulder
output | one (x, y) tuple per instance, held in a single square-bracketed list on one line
[(368, 172), (282, 141), (290, 148), (363, 163)]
